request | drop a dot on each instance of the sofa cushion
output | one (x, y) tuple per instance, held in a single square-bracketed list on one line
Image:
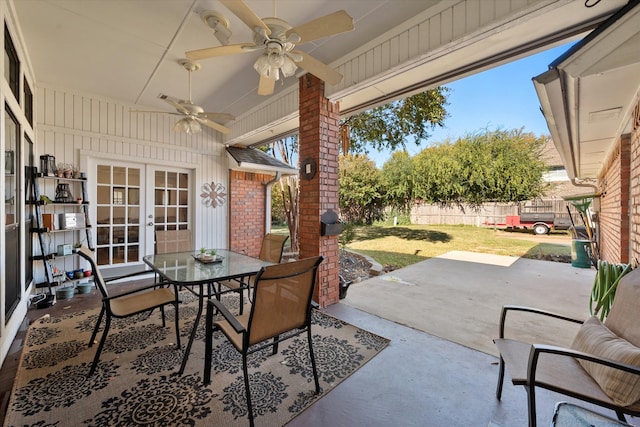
[(595, 338), (624, 317)]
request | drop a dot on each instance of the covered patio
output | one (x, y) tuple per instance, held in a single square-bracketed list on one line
[(82, 82)]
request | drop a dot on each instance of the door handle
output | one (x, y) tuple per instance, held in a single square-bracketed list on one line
[(150, 224)]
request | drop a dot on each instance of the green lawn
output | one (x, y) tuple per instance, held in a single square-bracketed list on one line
[(407, 244), (404, 245)]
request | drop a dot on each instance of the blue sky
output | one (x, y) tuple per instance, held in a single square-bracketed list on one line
[(500, 98)]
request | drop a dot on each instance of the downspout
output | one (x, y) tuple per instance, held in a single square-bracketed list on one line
[(267, 202), (578, 182)]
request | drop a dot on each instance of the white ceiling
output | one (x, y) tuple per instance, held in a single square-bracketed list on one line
[(129, 50)]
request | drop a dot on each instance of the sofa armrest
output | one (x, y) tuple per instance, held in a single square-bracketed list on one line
[(538, 349), (519, 308)]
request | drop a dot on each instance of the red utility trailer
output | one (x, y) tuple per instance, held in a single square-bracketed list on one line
[(539, 222)]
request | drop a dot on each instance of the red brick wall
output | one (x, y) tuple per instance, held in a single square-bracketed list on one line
[(247, 192), (614, 204), (318, 132), (635, 185)]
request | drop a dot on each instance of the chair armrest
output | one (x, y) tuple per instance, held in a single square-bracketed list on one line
[(125, 276), (508, 308), (538, 349), (237, 326)]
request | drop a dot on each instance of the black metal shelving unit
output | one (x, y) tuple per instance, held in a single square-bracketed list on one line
[(44, 233)]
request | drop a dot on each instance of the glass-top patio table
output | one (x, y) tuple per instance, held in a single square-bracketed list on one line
[(183, 269)]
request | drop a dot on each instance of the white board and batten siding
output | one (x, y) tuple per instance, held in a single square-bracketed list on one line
[(74, 126)]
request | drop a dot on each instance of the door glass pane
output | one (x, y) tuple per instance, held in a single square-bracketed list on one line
[(119, 176), (159, 197), (184, 181), (103, 195), (134, 215), (134, 177), (134, 196), (104, 175), (103, 215), (172, 180), (159, 179), (184, 198), (173, 199)]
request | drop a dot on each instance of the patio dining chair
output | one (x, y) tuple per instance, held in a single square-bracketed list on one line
[(282, 302), (127, 304), (271, 250), (168, 241)]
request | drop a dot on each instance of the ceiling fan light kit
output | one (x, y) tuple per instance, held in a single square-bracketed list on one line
[(187, 125), (271, 64)]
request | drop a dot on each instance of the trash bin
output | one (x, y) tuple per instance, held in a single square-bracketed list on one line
[(580, 253)]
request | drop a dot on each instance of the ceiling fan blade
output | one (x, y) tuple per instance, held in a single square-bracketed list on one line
[(175, 102), (328, 25), (151, 111), (217, 116), (266, 85), (214, 125), (246, 15), (318, 69), (210, 52)]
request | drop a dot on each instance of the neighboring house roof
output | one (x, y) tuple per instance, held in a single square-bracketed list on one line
[(549, 153), (559, 184), (588, 93), (254, 160)]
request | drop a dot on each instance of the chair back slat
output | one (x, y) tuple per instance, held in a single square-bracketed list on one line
[(282, 298), (86, 253), (168, 241), (272, 247), (624, 316)]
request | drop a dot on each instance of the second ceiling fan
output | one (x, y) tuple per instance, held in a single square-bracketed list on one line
[(277, 40), (193, 115)]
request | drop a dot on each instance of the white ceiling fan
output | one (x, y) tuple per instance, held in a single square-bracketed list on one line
[(277, 40), (194, 115)]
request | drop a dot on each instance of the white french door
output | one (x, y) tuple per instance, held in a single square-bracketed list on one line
[(133, 200)]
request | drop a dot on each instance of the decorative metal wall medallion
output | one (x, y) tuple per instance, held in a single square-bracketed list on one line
[(213, 195)]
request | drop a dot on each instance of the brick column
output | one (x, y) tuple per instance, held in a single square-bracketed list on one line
[(247, 195), (319, 120)]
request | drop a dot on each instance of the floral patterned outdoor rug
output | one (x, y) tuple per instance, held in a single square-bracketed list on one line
[(136, 382)]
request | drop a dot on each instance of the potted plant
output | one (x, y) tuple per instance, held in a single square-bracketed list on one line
[(604, 288)]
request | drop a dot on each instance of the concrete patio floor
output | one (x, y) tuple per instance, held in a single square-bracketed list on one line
[(440, 368)]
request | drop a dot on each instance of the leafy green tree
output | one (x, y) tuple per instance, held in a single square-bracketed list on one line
[(494, 166), (286, 192), (278, 215), (397, 180), (360, 192), (437, 175), (388, 126)]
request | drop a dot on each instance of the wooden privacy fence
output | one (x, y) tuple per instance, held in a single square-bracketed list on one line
[(489, 215)]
